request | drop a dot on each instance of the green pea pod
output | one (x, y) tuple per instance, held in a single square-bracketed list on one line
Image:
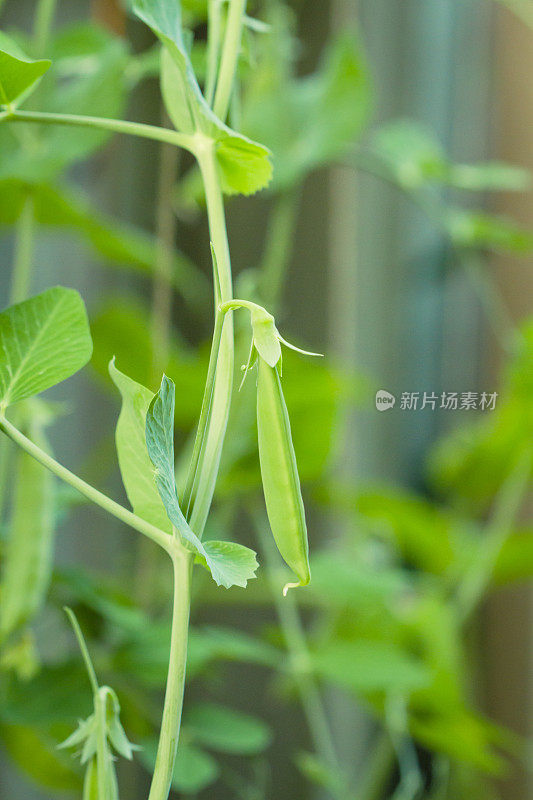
[(279, 472)]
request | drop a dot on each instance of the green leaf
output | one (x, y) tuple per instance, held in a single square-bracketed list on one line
[(43, 341), (311, 121), (369, 666), (194, 770), (244, 165), (27, 564), (122, 327), (487, 231), (230, 564), (135, 465), (488, 176), (17, 72), (411, 152), (226, 730), (48, 768), (119, 243)]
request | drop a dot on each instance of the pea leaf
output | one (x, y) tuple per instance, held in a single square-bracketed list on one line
[(135, 465), (244, 165), (17, 72), (226, 730), (230, 564), (123, 328), (42, 341)]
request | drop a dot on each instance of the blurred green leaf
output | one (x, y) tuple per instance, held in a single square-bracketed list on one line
[(426, 536), (515, 561), (227, 731), (195, 769), (44, 340), (488, 176), (479, 230), (47, 767), (306, 122), (122, 244), (18, 73), (122, 329), (415, 158), (369, 666)]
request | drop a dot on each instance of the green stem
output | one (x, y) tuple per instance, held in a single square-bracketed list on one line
[(214, 19), (162, 286), (170, 725), (212, 444), (230, 56), (115, 509), (203, 422), (24, 245), (300, 660), (154, 132), (84, 650), (44, 16), (507, 506)]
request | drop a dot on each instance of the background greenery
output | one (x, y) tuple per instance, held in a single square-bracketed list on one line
[(377, 241)]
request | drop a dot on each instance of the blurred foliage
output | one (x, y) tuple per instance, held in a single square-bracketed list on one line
[(385, 625)]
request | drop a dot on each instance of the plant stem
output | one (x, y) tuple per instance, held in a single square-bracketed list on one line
[(24, 245), (300, 661), (170, 725), (154, 132), (115, 509), (162, 285), (203, 422), (214, 19), (507, 506), (230, 56), (212, 443), (44, 16)]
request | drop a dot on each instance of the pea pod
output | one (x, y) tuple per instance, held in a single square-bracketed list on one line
[(279, 472)]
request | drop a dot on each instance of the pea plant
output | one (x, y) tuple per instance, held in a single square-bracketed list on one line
[(45, 339), (390, 601)]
